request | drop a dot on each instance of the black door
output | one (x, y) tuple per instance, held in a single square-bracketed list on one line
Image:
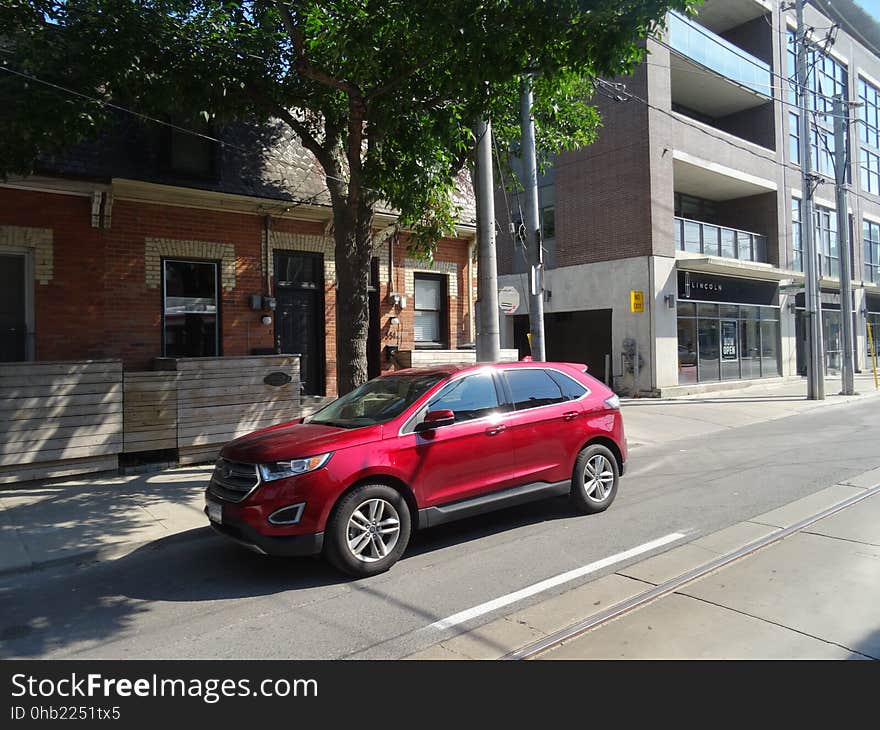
[(299, 317), (13, 320)]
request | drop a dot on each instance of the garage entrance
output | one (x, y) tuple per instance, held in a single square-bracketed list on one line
[(583, 336)]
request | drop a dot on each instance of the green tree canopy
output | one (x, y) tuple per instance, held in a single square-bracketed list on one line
[(384, 93)]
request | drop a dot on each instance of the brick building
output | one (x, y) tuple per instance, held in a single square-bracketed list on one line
[(156, 243), (691, 196)]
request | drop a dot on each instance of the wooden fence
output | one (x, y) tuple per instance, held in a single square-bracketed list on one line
[(219, 399), (60, 419)]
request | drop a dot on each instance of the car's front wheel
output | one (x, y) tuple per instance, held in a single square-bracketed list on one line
[(595, 478), (368, 531)]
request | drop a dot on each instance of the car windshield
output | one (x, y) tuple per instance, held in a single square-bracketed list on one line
[(376, 401)]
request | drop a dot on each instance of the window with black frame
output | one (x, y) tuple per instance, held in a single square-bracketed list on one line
[(430, 310), (190, 309)]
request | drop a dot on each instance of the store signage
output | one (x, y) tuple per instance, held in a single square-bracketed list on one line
[(508, 299), (636, 301), (728, 340), (710, 288)]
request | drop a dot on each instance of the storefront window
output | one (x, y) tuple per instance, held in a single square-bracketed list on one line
[(708, 349), (750, 343), (833, 340), (770, 363), (727, 341), (687, 350), (707, 310), (874, 321)]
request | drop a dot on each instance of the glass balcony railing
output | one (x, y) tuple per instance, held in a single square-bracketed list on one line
[(712, 240), (712, 51)]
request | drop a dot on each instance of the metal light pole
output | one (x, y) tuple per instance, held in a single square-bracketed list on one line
[(841, 129), (488, 338), (812, 294), (532, 226)]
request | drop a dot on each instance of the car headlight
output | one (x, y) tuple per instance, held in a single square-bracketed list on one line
[(283, 469)]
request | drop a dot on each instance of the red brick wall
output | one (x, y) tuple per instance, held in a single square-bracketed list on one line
[(457, 333), (134, 310), (98, 304), (69, 309)]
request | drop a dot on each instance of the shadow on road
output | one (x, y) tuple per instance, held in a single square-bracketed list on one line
[(70, 608)]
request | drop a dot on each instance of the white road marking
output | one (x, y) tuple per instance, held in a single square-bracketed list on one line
[(468, 614)]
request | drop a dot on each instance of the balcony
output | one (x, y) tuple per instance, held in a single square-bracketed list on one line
[(699, 44), (712, 240)]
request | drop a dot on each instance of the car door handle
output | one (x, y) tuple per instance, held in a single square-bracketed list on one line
[(569, 415), (495, 430)]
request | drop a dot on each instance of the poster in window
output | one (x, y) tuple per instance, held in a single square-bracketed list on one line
[(728, 341)]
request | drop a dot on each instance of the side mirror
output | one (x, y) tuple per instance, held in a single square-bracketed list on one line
[(436, 419)]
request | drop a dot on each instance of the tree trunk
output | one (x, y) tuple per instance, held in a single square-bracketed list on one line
[(354, 249)]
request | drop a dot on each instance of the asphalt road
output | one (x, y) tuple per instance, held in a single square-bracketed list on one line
[(207, 598)]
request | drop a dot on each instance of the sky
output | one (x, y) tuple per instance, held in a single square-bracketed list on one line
[(872, 6)]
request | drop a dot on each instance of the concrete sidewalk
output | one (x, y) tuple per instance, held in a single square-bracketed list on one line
[(651, 421), (98, 517), (811, 595), (105, 516)]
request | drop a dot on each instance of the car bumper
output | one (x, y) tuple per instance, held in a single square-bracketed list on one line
[(281, 545)]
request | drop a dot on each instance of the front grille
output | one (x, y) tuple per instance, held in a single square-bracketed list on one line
[(233, 481)]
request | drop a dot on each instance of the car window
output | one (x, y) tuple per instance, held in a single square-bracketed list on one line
[(473, 396), (376, 401), (531, 388), (571, 389)]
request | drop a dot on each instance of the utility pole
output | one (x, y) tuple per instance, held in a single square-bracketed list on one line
[(841, 131), (534, 243), (812, 294), (488, 339)]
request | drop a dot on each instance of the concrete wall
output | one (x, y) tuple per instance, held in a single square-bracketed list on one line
[(607, 285)]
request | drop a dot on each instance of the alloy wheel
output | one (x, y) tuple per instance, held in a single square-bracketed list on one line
[(373, 530), (598, 478)]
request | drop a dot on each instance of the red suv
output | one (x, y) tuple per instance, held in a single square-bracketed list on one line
[(414, 449)]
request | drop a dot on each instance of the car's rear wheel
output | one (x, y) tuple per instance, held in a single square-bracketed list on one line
[(368, 530), (595, 478)]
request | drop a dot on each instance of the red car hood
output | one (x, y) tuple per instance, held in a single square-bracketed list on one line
[(295, 440)]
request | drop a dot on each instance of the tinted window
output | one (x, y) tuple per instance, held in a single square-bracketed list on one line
[(532, 388), (468, 398), (571, 389)]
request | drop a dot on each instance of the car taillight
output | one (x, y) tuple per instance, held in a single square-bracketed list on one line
[(613, 402)]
